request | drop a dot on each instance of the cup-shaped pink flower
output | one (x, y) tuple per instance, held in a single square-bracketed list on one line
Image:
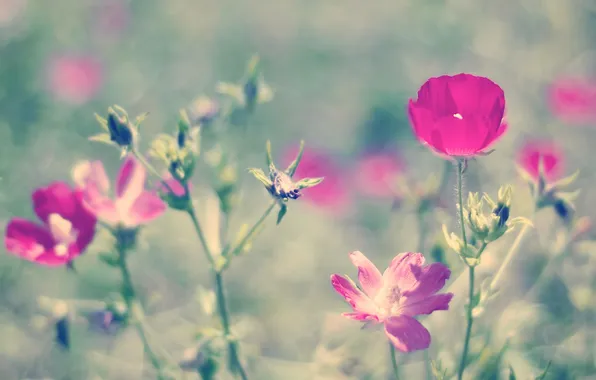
[(541, 152), (331, 194), (132, 205), (406, 289), (458, 116), (74, 79), (376, 174), (573, 100), (65, 231)]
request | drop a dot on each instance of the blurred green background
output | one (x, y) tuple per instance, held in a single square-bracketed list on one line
[(342, 72)]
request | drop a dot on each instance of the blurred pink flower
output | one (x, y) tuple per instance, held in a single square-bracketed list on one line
[(172, 184), (573, 100), (406, 289), (67, 227), (133, 205), (377, 174), (458, 116), (534, 151), (332, 193), (111, 18), (74, 79)]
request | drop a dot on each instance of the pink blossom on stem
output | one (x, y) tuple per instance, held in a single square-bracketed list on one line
[(332, 193), (65, 231), (573, 100), (132, 206), (534, 152), (74, 79), (458, 116), (406, 289), (376, 174)]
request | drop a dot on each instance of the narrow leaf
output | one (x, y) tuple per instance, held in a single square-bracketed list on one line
[(282, 212), (542, 376), (308, 182), (294, 165), (103, 138), (261, 176), (102, 122), (269, 156)]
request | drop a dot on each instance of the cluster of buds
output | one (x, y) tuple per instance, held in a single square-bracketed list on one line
[(279, 183), (251, 90), (119, 131), (485, 227)]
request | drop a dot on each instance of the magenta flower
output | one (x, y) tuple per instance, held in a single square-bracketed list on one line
[(534, 152), (67, 228), (73, 79), (133, 205), (573, 100), (406, 289), (458, 116), (377, 174), (331, 194)]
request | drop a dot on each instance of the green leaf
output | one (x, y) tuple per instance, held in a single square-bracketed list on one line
[(282, 212), (511, 374), (103, 138), (521, 220), (564, 182), (542, 376), (308, 182), (261, 176), (110, 258), (231, 90), (269, 156), (294, 165)]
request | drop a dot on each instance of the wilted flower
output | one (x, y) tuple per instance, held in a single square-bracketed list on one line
[(537, 153), (330, 194), (377, 174), (406, 289), (458, 116), (133, 205), (573, 99), (74, 79), (67, 227)]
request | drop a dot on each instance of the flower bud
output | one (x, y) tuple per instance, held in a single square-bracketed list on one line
[(120, 129)]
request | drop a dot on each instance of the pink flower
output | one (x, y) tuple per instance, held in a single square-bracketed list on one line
[(73, 79), (534, 152), (458, 116), (377, 174), (133, 205), (67, 228), (406, 289), (573, 100), (172, 184), (330, 194)]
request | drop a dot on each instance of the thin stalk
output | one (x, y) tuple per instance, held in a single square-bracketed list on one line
[(393, 361)]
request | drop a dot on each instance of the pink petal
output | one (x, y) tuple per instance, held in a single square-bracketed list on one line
[(84, 222), (147, 207), (377, 174), (435, 96), (479, 96), (423, 122), (102, 207), (459, 137), (417, 306), (173, 184), (354, 296), (26, 239), (573, 99), (57, 198), (400, 273), (369, 276), (91, 173), (407, 334), (131, 179), (361, 317), (429, 280), (534, 151)]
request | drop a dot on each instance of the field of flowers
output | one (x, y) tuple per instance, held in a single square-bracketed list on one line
[(297, 190)]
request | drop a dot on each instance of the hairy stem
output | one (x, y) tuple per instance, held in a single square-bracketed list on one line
[(469, 317)]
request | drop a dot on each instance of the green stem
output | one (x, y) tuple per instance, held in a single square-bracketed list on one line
[(469, 322), (135, 313), (393, 361), (151, 169), (197, 225), (469, 317), (224, 316)]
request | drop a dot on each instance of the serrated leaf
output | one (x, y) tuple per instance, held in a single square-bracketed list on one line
[(542, 376), (261, 176), (102, 122), (305, 183), (291, 170), (282, 212)]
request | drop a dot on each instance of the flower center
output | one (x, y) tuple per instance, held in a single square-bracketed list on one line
[(62, 232), (458, 116), (387, 301)]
